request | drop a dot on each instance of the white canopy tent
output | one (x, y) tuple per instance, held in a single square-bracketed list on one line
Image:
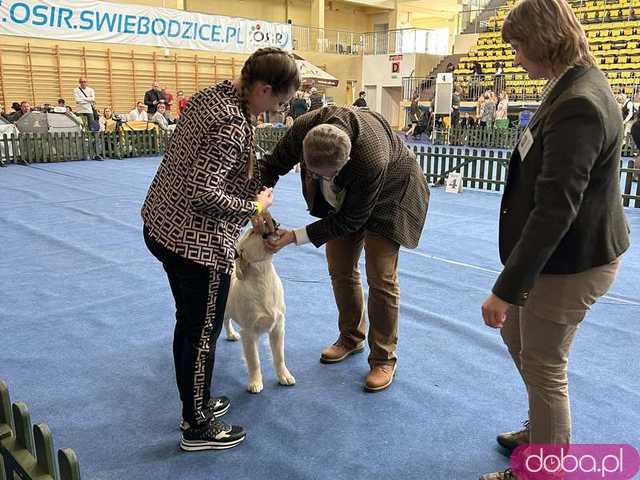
[(314, 76)]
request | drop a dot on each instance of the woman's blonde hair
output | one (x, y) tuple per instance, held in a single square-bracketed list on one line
[(548, 33), (326, 146)]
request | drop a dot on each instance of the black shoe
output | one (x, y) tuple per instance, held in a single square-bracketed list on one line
[(512, 440), (213, 435), (217, 407)]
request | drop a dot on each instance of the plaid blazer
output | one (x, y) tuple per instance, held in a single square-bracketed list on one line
[(201, 197), (385, 189)]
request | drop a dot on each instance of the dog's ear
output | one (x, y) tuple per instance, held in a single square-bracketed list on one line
[(241, 265)]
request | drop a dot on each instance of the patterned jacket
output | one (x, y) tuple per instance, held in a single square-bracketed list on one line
[(201, 197), (385, 190)]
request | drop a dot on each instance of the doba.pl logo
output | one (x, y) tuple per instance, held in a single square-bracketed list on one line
[(575, 462)]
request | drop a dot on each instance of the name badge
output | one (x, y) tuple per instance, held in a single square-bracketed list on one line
[(525, 144)]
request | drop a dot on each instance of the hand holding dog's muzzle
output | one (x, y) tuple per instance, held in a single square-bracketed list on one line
[(279, 240)]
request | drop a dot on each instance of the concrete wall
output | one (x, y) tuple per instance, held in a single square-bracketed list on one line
[(463, 43)]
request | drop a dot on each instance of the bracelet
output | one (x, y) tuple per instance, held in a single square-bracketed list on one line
[(258, 207)]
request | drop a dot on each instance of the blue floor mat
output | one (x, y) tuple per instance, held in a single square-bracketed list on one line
[(87, 319)]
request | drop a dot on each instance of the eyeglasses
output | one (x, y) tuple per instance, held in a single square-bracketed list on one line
[(316, 176)]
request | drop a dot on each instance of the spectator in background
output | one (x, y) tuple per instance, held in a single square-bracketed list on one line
[(159, 118), (475, 85), (138, 114), (487, 111), (298, 105), (630, 109), (168, 98), (414, 115), (182, 102), (25, 107), (106, 121), (152, 98), (361, 102), (634, 128), (450, 68), (498, 77), (456, 98), (315, 99), (479, 104), (502, 118), (85, 98), (61, 103)]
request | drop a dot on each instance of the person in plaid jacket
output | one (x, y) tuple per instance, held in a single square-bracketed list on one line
[(369, 192)]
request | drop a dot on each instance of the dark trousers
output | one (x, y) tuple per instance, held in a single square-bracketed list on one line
[(200, 295)]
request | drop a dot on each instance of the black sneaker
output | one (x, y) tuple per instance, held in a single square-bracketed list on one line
[(213, 435), (217, 406)]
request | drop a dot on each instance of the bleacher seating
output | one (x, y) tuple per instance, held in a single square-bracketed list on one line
[(613, 30)]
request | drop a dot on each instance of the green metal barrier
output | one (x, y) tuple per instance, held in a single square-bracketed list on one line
[(267, 138), (486, 169), (505, 138), (26, 452), (480, 154), (30, 148)]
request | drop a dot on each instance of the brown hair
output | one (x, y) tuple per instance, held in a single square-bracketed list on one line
[(549, 33), (274, 67)]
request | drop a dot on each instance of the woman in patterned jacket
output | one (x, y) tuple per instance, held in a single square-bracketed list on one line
[(203, 193)]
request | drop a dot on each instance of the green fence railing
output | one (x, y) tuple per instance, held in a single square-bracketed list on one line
[(26, 451), (267, 138), (505, 138), (486, 169), (481, 155), (27, 148)]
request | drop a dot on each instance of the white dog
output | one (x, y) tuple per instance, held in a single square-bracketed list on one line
[(256, 304)]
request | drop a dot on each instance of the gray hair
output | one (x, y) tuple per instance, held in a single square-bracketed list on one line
[(326, 146)]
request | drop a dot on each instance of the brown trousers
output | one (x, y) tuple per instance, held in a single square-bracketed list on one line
[(381, 264), (539, 337)]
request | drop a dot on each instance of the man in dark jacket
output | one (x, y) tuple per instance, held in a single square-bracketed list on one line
[(368, 190), (361, 102), (153, 97), (315, 100)]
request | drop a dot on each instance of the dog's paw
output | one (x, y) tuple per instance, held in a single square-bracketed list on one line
[(285, 378), (255, 386), (233, 336)]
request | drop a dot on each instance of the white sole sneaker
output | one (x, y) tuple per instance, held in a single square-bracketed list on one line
[(199, 445)]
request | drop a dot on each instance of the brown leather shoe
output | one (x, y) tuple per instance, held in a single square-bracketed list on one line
[(380, 377), (339, 351), (512, 440)]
